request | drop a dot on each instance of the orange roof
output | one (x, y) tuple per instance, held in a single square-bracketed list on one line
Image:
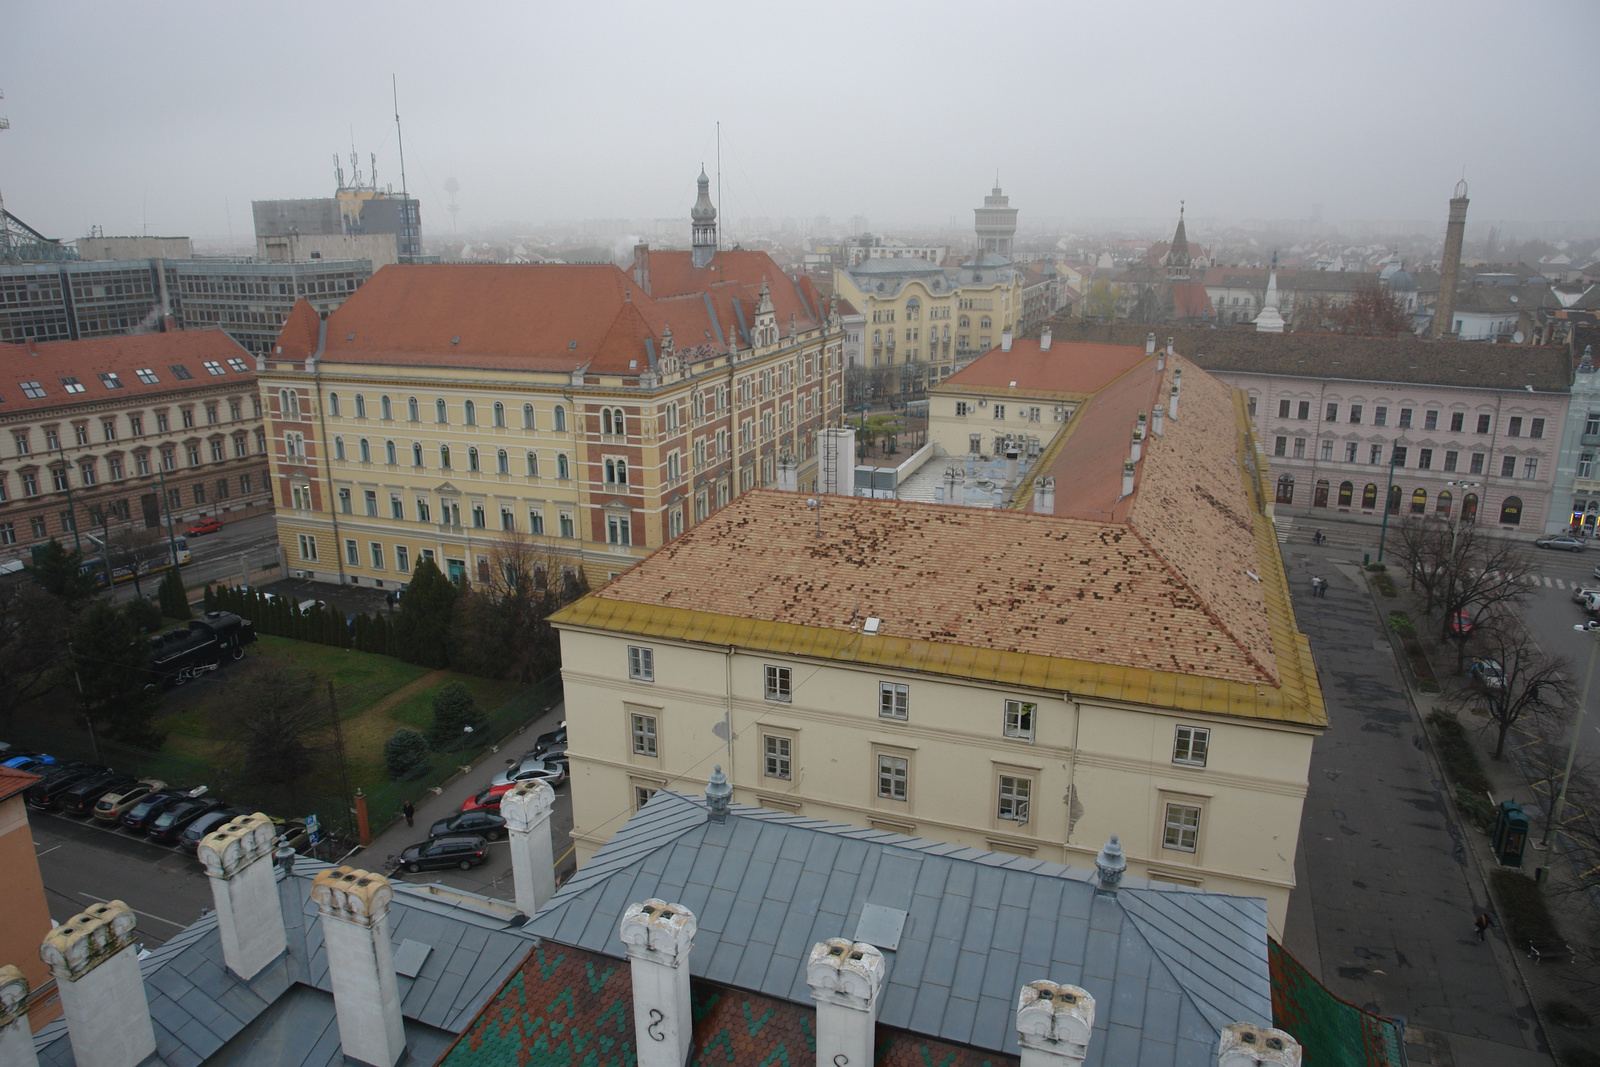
[(1189, 300), (13, 781), (51, 369), (1067, 367)]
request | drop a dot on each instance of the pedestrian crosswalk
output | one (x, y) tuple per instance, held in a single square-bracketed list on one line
[(1548, 582)]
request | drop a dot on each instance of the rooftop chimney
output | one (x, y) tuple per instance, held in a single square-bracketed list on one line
[(1169, 346), (1150, 343), (95, 960), (845, 978), (355, 932), (16, 1037), (1172, 404), (788, 475), (718, 794), (1138, 443), (1012, 456), (1044, 339), (1110, 865), (658, 937), (1248, 1045), (526, 810), (238, 861), (1157, 416), (1044, 496), (1127, 479), (1054, 1024), (1005, 339)]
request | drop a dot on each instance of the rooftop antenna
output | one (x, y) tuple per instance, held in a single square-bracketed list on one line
[(394, 85), (5, 223), (721, 222)]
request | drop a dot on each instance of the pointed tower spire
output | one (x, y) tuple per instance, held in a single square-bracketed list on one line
[(1178, 258), (703, 223), (1270, 320)]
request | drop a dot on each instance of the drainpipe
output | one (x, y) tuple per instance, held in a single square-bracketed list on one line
[(1072, 760), (727, 710), (327, 462)]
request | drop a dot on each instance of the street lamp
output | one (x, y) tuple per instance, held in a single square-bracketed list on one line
[(1543, 874), (1388, 496)]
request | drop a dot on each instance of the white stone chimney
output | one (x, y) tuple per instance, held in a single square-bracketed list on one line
[(1150, 343), (526, 810), (1044, 339), (1044, 496), (845, 978), (95, 960), (1169, 346), (1172, 404), (16, 1036), (1248, 1045), (238, 860), (355, 933), (1012, 457), (1054, 1024), (788, 475), (1127, 479), (1157, 416), (1005, 339), (658, 937), (836, 460)]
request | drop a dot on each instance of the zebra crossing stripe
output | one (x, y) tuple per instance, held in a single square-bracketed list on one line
[(1547, 582)]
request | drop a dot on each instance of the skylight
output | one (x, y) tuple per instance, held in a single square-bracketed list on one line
[(180, 372), (110, 380), (33, 390), (213, 366), (237, 364), (72, 385), (147, 376)]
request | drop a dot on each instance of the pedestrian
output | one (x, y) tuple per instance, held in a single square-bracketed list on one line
[(1483, 924), (409, 812)]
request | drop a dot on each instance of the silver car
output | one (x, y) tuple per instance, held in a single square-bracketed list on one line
[(526, 770)]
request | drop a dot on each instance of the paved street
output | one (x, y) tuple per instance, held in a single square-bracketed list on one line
[(1386, 898), (240, 544)]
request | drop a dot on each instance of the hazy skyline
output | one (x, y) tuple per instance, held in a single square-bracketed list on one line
[(170, 118)]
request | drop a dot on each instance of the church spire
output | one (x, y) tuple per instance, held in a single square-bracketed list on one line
[(703, 223), (1270, 320), (1178, 258)]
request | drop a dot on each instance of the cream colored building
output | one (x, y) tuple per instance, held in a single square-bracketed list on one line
[(1112, 652)]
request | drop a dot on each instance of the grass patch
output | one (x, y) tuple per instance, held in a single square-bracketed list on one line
[(1523, 909), (1401, 624), (416, 711), (1421, 669), (1455, 749), (1385, 584)]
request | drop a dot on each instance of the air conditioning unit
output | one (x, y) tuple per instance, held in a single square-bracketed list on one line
[(299, 574), (982, 402)]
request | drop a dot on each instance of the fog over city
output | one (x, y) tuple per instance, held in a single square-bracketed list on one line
[(172, 118)]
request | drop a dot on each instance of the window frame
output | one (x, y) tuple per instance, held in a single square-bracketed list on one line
[(1026, 711), (1184, 744), (777, 756), (777, 682), (641, 663), (644, 735), (897, 773), (894, 697), (1174, 831)]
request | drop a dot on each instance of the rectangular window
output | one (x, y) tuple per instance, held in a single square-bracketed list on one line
[(894, 700), (344, 501), (1182, 827), (308, 547), (1350, 451), (352, 555), (1398, 456), (1190, 745), (1015, 793), (778, 759), (641, 664), (1450, 460), (1405, 418), (1424, 459), (1332, 414), (1019, 719), (999, 411), (535, 521), (1536, 428), (641, 796), (1483, 424), (147, 376), (644, 734), (377, 555), (779, 683), (1355, 412), (108, 429), (1380, 416), (1508, 466), (402, 559), (1280, 446), (961, 408), (1530, 468), (1456, 419), (1253, 406), (1304, 412), (397, 508), (80, 433), (1283, 409), (1514, 427), (370, 498), (893, 776), (1430, 420), (8, 533), (1375, 454), (1299, 448), (72, 385), (1477, 463), (1327, 450)]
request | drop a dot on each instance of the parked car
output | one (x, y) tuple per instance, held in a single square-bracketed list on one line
[(204, 526), (112, 806), (459, 850), (46, 795), (530, 768), (141, 815), (1587, 627), (1597, 572), (546, 742), (1579, 592), (168, 826), (1565, 542), (211, 820), (485, 824), (33, 763), (1461, 624), (488, 799), (1487, 673), (81, 797)]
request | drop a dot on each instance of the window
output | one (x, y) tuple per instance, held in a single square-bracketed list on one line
[(1450, 459), (72, 385), (533, 464), (1456, 418), (1355, 413), (361, 406), (1477, 463), (110, 380), (778, 753), (416, 453), (413, 413), (385, 407), (480, 521), (1182, 827), (1346, 491), (389, 455), (894, 700), (1380, 416), (1430, 420), (961, 408), (616, 472), (351, 555), (1424, 459), (1280, 446), (301, 492), (469, 413), (894, 773), (36, 526), (1304, 411), (212, 366), (1530, 467), (641, 664), (1019, 719), (402, 559), (1508, 466), (527, 417), (444, 457), (8, 533), (561, 420), (308, 547), (619, 530), (1483, 424), (87, 472), (338, 448), (561, 466), (1511, 511), (1398, 456), (371, 500), (333, 405), (33, 390), (1536, 428), (1283, 409), (1405, 418), (22, 442), (1350, 452), (147, 376), (1014, 795), (644, 734), (1419, 501), (440, 414), (58, 478), (344, 501), (80, 433), (567, 526), (1299, 448), (1327, 450), (1253, 399), (999, 411), (472, 459), (115, 464), (1514, 427), (364, 450), (1586, 465), (779, 683), (377, 555)]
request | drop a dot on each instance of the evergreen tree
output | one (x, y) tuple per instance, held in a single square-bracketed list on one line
[(422, 630), (404, 752), (453, 711), (174, 597), (60, 571), (112, 663)]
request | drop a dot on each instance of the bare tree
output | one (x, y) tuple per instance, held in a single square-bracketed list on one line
[(1463, 571), (1515, 681), (1372, 310)]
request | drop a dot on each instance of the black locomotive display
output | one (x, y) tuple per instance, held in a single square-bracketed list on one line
[(180, 655)]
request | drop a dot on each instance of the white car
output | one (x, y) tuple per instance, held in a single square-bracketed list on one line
[(528, 769), (1487, 673), (1581, 595)]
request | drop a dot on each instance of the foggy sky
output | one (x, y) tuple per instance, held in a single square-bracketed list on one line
[(171, 118)]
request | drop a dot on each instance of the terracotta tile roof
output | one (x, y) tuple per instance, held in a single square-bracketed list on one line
[(737, 275), (1065, 369), (43, 366), (13, 781), (298, 338), (1189, 300)]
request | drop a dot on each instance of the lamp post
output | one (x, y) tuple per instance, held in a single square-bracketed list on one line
[(1388, 495), (1543, 874)]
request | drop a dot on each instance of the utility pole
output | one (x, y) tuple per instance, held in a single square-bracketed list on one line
[(1388, 495), (1543, 874), (172, 538), (66, 480)]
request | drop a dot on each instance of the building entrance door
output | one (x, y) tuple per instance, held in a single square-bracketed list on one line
[(456, 569)]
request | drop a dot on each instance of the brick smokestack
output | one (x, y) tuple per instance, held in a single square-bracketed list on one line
[(1444, 312)]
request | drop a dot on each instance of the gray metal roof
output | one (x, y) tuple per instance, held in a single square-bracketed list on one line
[(1168, 966), (202, 1013)]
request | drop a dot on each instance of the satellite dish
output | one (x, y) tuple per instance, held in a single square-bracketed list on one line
[(1517, 337)]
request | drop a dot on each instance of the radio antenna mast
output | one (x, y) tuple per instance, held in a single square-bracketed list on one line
[(721, 222), (394, 85)]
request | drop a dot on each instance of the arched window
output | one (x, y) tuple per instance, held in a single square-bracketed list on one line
[(527, 416), (1346, 491), (412, 411), (366, 451), (1511, 511), (440, 414), (469, 413), (502, 462), (966, 322), (386, 408), (561, 419), (983, 323), (611, 470), (499, 414), (533, 465), (338, 448), (416, 453), (619, 423), (361, 406), (1319, 494), (1285, 489), (605, 421), (1369, 497), (1469, 508), (333, 404), (444, 457), (1419, 501), (1441, 506), (472, 459), (388, 454), (1395, 495), (561, 465)]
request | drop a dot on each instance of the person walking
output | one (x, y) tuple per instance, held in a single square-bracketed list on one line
[(1483, 924), (409, 812)]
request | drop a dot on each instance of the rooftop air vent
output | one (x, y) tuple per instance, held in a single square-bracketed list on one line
[(456, 339), (871, 625), (573, 344), (349, 337)]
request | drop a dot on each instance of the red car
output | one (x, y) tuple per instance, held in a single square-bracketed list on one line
[(489, 799), (204, 526), (1461, 624)]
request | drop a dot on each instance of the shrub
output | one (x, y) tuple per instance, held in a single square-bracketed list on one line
[(1476, 808), (453, 710), (174, 598), (1523, 909), (1377, 567), (143, 614), (1385, 584), (404, 751), (1401, 624), (1455, 749), (1565, 1013)]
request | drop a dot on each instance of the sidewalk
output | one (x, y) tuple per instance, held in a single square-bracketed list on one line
[(1387, 896)]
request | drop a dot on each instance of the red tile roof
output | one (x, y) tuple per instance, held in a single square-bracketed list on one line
[(1189, 300), (1067, 367), (13, 781), (45, 365)]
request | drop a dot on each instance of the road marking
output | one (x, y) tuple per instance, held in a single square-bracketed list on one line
[(1547, 581), (136, 911), (46, 852)]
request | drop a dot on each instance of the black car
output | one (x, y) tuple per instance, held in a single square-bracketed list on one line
[(463, 850), (211, 820), (144, 813), (81, 797), (167, 827), (555, 739), (485, 824), (46, 795)]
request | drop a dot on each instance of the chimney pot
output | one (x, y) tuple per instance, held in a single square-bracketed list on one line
[(1172, 404), (237, 857), (845, 978), (95, 959), (718, 795), (659, 937), (1110, 865), (1127, 478), (1169, 346), (1150, 343), (1054, 1024), (1159, 414), (1249, 1045), (1005, 339), (526, 810), (1044, 339), (16, 1036), (354, 905)]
